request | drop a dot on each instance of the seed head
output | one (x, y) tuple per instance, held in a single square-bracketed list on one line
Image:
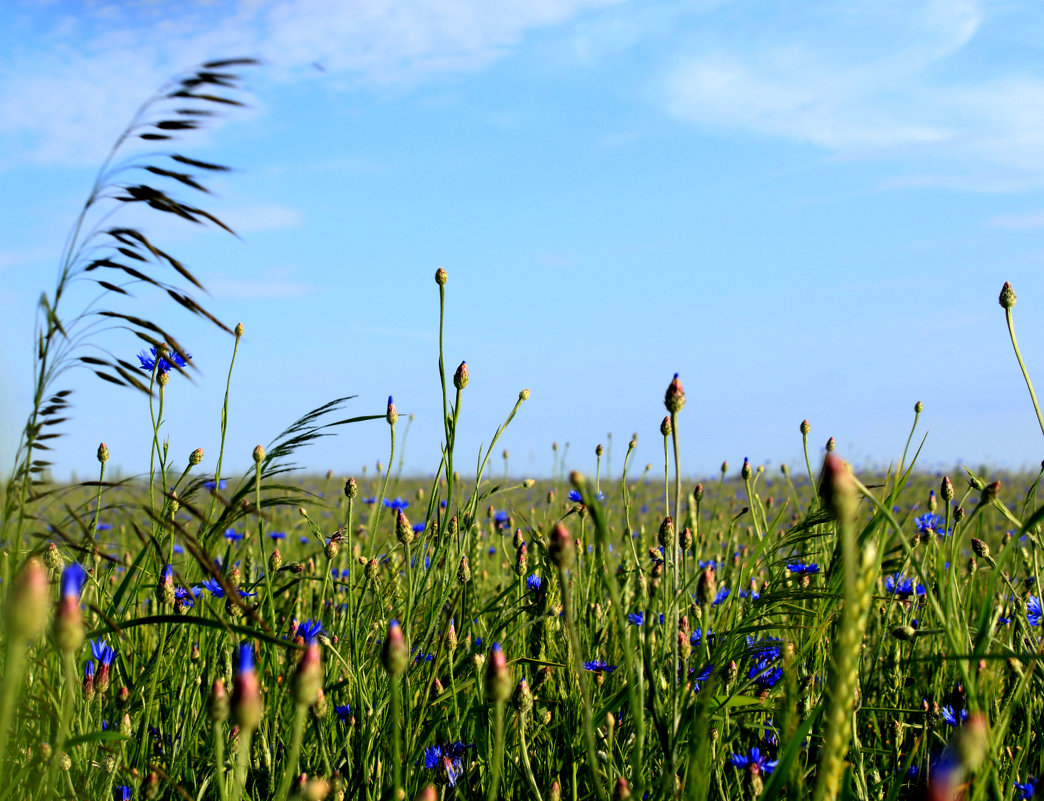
[(460, 378), (440, 277), (1007, 296), (674, 398)]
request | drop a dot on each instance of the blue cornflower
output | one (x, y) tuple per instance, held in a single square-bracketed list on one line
[(599, 666), (310, 629), (764, 674), (88, 670), (424, 657), (104, 526), (534, 582), (701, 677), (1034, 613), (951, 717), (221, 484), (753, 759), (929, 523), (187, 597), (277, 535), (418, 528), (246, 659), (304, 540), (73, 579), (123, 792), (898, 584), (636, 618), (711, 563), (344, 712), (574, 496), (232, 535), (501, 518), (163, 364), (1025, 789), (214, 586), (102, 651), (723, 593), (396, 503), (809, 569), (167, 574), (446, 759)]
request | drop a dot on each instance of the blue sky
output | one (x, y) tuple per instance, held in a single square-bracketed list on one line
[(805, 209)]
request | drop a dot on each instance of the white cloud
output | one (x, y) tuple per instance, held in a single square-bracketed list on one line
[(876, 80), (70, 90)]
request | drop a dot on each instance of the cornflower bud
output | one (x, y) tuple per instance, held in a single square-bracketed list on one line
[(958, 514), (451, 637), (830, 445), (247, 708), (946, 490), (707, 586), (52, 558), (391, 415), (933, 504), (332, 548), (990, 491), (88, 682), (1007, 296), (259, 454), (275, 560), (555, 791), (520, 560), (685, 539), (697, 492), (523, 698), (805, 427), (403, 529), (428, 793), (745, 471), (460, 378), (621, 789), (371, 569), (68, 622), (165, 588), (666, 534), (674, 399), (351, 488), (665, 426), (308, 677), (217, 704), (451, 530), (837, 488), (195, 457), (498, 676), (463, 571), (440, 277), (725, 467), (150, 786), (103, 453), (982, 550), (239, 330), (523, 395), (394, 656), (27, 605), (561, 549)]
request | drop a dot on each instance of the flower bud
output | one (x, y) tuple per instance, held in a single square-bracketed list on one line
[(165, 587), (460, 378), (707, 586), (150, 786), (554, 793), (674, 399), (463, 571), (498, 675), (391, 415), (440, 277), (982, 550), (451, 637), (520, 560), (87, 688), (247, 707), (259, 454), (394, 656), (665, 536), (685, 539), (561, 549), (239, 330), (351, 488), (195, 457), (906, 633), (805, 427), (621, 789), (958, 514), (837, 488), (523, 698), (403, 529), (665, 426), (990, 491), (697, 493), (103, 453), (28, 604), (68, 622), (1007, 296), (830, 445), (275, 560), (523, 395), (946, 490), (308, 678)]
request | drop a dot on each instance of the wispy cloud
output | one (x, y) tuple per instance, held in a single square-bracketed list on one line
[(901, 82), (274, 284), (73, 80)]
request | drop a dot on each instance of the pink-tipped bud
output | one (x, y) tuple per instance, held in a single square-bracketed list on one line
[(665, 426), (239, 330), (520, 560), (351, 488), (554, 793), (275, 560), (217, 704), (463, 571), (946, 489), (621, 789), (707, 586), (674, 399), (394, 656), (88, 682), (561, 548), (665, 536), (259, 454), (68, 622), (498, 676), (195, 457), (461, 378), (391, 415), (247, 707), (403, 529), (428, 793), (103, 453), (308, 678), (27, 605), (837, 488), (523, 697), (990, 492), (441, 277), (1007, 296)]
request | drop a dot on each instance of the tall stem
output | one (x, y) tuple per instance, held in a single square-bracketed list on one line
[(1022, 366)]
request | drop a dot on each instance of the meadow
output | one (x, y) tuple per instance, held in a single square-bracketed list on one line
[(801, 633)]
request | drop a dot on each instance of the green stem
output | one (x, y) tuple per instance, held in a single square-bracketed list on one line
[(524, 753), (1022, 366), (224, 427), (498, 751), (300, 713), (219, 761), (242, 763)]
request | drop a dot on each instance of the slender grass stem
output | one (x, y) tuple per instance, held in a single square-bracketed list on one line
[(1022, 366), (290, 771)]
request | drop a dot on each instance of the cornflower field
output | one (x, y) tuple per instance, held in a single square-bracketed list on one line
[(811, 633)]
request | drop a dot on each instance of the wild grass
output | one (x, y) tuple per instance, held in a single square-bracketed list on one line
[(190, 634)]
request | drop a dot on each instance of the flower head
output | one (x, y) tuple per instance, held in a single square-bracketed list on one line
[(1034, 612), (1025, 789), (310, 629), (534, 582), (898, 584), (446, 759), (929, 523), (636, 618), (802, 569), (163, 363), (73, 579), (599, 666), (344, 712), (753, 759), (103, 652)]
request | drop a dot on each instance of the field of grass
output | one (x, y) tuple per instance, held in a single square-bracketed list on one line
[(805, 633)]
